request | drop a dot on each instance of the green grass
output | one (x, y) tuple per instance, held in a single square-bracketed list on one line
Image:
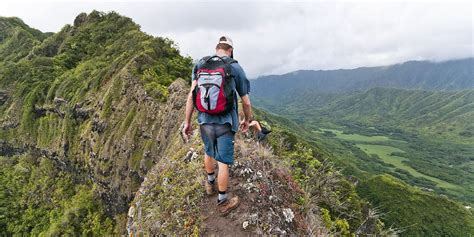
[(370, 145), (357, 137), (385, 153)]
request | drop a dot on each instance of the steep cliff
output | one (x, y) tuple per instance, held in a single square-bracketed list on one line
[(95, 102)]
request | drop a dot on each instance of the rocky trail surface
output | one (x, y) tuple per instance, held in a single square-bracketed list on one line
[(267, 195)]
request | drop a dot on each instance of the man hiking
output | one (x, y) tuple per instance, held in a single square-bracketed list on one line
[(215, 81)]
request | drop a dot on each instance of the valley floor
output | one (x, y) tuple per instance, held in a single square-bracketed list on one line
[(395, 155)]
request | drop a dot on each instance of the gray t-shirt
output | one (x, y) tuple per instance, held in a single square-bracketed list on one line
[(241, 84)]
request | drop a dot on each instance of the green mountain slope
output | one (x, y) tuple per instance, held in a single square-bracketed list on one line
[(413, 211), (443, 114), (418, 212), (84, 113), (423, 126), (17, 38), (423, 137), (424, 109)]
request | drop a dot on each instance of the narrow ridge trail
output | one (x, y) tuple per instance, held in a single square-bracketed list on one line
[(230, 224), (267, 196), (173, 194)]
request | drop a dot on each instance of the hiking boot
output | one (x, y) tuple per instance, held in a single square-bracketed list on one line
[(224, 207), (210, 188)]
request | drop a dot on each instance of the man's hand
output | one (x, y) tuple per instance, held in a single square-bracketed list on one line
[(244, 125), (187, 131)]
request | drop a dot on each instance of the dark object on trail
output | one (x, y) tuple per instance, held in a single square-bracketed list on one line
[(263, 134)]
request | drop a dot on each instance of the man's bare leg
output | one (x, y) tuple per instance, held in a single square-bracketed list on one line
[(225, 205), (209, 163), (223, 177)]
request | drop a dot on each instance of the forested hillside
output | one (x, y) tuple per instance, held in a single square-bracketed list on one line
[(418, 210), (439, 113), (84, 114), (411, 121)]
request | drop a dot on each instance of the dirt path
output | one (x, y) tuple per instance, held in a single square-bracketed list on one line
[(230, 225), (267, 195)]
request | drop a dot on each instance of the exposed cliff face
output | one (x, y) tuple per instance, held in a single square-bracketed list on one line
[(96, 100), (123, 147)]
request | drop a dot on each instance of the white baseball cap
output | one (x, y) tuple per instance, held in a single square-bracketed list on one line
[(226, 40)]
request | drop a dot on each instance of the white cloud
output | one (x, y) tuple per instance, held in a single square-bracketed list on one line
[(278, 37)]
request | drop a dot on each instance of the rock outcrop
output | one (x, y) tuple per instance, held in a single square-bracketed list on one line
[(3, 97)]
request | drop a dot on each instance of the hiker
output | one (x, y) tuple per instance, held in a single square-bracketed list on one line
[(215, 81), (260, 130)]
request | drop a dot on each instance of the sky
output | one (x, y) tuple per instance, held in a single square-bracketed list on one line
[(280, 37)]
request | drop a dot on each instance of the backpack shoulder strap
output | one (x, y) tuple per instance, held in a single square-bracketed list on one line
[(227, 65), (229, 60)]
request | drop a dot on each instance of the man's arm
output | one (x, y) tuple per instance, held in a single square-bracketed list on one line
[(247, 107), (187, 130), (243, 88)]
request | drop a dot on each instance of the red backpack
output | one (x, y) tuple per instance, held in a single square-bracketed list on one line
[(213, 93)]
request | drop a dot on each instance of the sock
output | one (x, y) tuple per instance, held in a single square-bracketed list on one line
[(211, 178), (222, 196)]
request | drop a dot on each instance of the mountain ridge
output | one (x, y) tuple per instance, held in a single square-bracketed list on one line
[(448, 75), (368, 67), (96, 97)]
